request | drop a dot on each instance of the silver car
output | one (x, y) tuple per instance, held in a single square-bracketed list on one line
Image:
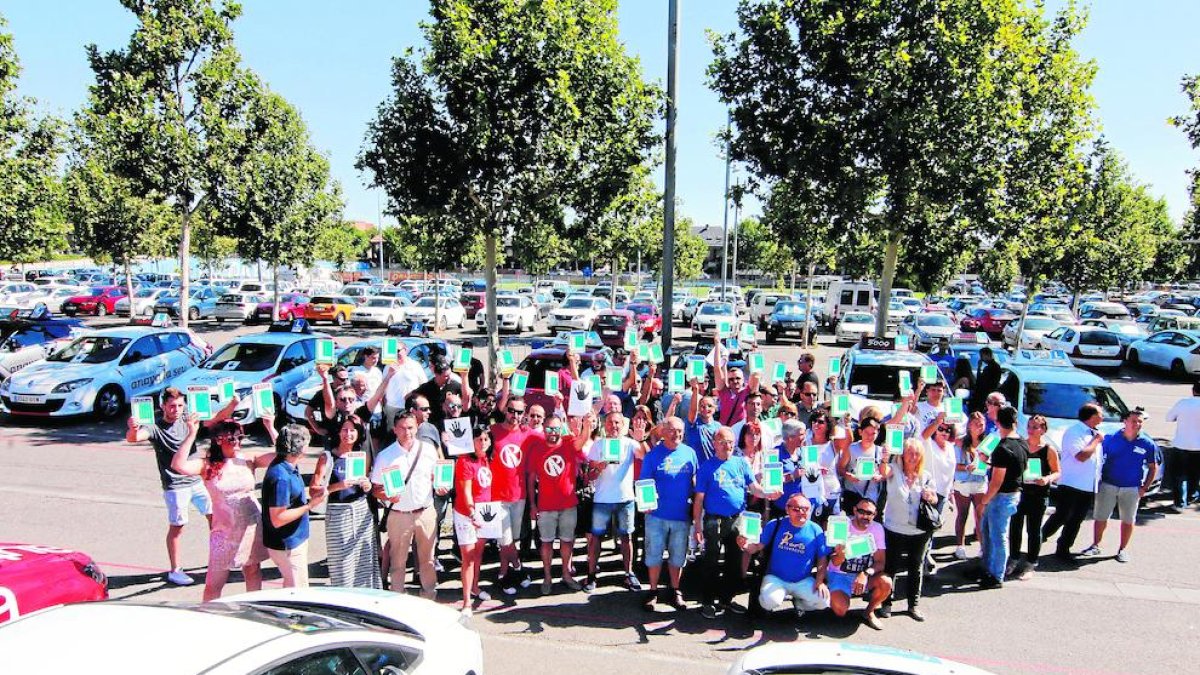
[(238, 307)]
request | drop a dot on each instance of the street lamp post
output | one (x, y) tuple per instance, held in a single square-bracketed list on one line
[(668, 266)]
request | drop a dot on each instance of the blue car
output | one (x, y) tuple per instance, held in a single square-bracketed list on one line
[(968, 351), (202, 303)]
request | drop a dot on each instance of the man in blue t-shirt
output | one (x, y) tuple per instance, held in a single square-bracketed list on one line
[(795, 544), (672, 466), (1124, 479), (721, 486), (285, 507), (701, 427)]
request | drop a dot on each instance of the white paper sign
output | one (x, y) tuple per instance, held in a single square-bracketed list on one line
[(581, 398), (489, 515), (459, 441)]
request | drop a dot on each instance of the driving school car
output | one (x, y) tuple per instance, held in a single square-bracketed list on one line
[(34, 577), (284, 356), (100, 372), (26, 340)]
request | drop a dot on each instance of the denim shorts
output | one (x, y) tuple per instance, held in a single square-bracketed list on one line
[(602, 515), (666, 535)]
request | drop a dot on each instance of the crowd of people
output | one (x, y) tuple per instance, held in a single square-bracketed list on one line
[(732, 486)]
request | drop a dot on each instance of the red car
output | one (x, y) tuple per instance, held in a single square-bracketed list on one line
[(611, 324), (473, 303), (34, 577), (290, 305), (649, 319), (539, 362), (990, 320), (101, 301)]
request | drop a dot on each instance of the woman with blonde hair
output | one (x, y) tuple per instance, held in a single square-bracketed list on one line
[(908, 484)]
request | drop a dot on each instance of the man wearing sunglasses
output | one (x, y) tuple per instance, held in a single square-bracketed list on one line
[(509, 468), (554, 463), (799, 560), (860, 577), (442, 384)]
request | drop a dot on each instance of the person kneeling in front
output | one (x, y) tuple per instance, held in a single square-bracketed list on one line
[(860, 577), (791, 547)]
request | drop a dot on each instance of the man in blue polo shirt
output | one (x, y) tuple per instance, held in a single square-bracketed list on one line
[(795, 544), (701, 427), (721, 486), (672, 466), (285, 507), (1123, 480)]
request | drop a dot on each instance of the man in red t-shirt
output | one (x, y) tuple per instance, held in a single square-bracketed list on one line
[(508, 488), (554, 463)]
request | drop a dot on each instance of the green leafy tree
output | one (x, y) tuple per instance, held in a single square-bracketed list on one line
[(32, 226), (278, 199), (1190, 125), (516, 112), (341, 244), (895, 119), (210, 247), (171, 109)]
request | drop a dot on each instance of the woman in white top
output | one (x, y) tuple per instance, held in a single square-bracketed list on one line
[(908, 484), (834, 457), (855, 486), (968, 485), (941, 456)]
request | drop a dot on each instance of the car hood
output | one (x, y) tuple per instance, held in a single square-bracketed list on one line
[(938, 330), (48, 375), (573, 311), (787, 316), (202, 377)]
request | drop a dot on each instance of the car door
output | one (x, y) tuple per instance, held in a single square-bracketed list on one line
[(143, 366), (295, 366), (1151, 352), (1178, 348)]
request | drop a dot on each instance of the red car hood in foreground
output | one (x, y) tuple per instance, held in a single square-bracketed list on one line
[(34, 577)]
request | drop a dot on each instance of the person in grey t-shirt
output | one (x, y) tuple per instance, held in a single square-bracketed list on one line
[(165, 436)]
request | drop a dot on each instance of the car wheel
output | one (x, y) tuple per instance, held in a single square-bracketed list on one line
[(101, 310), (1178, 370), (339, 319), (1133, 359), (109, 402), (772, 337), (442, 324), (193, 314)]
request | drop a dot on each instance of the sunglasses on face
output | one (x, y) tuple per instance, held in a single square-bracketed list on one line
[(799, 509), (944, 430), (423, 408), (816, 422), (864, 512), (233, 436), (554, 431), (454, 406), (513, 411), (808, 393), (345, 400)]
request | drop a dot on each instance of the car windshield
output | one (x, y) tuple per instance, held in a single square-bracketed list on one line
[(426, 302), (93, 349), (611, 320), (789, 307), (233, 298), (934, 320), (244, 356), (640, 309), (578, 303), (857, 318), (880, 381), (1032, 323), (1063, 401), (1001, 314), (379, 302), (508, 301), (11, 342), (323, 300), (96, 292), (716, 308), (146, 293)]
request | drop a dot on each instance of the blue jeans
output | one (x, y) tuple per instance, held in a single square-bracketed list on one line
[(996, 518)]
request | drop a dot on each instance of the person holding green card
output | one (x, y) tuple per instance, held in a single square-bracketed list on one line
[(797, 560), (864, 576), (472, 485), (672, 466), (1035, 496), (612, 503), (286, 504), (350, 540), (908, 484), (855, 486), (701, 426), (1007, 461)]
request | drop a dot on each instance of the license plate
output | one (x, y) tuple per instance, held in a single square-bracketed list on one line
[(608, 333), (28, 398)]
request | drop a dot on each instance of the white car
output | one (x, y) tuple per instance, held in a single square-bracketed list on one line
[(1171, 350), (380, 310), (843, 657), (238, 306), (925, 330), (143, 302), (273, 632), (513, 312), (451, 314), (1087, 346), (1128, 331), (11, 292), (762, 306), (99, 373), (710, 315), (853, 326), (577, 312), (1036, 328), (25, 341)]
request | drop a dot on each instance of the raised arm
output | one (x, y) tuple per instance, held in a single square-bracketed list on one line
[(180, 463), (136, 433)]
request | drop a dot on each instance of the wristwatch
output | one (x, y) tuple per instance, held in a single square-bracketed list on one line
[(870, 571)]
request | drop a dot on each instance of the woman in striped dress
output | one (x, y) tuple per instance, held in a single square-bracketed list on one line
[(350, 540)]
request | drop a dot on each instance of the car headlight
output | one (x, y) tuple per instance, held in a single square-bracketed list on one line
[(68, 387), (5, 384)]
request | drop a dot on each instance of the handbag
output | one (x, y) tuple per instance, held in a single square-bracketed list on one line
[(929, 518)]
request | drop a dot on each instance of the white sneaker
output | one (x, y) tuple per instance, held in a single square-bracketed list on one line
[(466, 612), (1090, 551), (180, 578), (960, 553), (483, 595), (1122, 556)]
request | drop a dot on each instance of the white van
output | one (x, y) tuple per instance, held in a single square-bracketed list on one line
[(848, 296)]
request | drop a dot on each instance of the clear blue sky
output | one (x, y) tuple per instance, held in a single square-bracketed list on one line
[(332, 59)]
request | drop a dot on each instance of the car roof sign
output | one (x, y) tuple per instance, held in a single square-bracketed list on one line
[(1041, 357)]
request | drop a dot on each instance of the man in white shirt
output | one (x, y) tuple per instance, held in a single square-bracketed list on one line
[(1184, 458), (1080, 462), (613, 500), (400, 379), (410, 511)]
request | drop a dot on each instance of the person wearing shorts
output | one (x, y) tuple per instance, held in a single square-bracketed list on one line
[(613, 500), (169, 430), (1130, 464), (861, 577), (554, 463), (472, 485), (672, 466), (797, 547), (509, 471)]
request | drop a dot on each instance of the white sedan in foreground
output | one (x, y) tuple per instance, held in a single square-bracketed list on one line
[(844, 657), (309, 630)]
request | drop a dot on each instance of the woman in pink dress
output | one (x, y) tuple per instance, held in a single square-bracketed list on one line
[(235, 539)]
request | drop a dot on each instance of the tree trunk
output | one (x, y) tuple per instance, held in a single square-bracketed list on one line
[(437, 301), (612, 293), (489, 272), (885, 285), (1030, 289), (185, 245), (129, 288), (812, 268), (275, 292)]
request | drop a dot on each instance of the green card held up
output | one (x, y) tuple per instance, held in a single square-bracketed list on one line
[(264, 399), (778, 373), (142, 408), (747, 332), (393, 482), (895, 439), (758, 363), (1033, 469), (610, 450), (200, 402), (835, 365), (391, 351), (857, 547), (225, 391), (646, 495), (772, 478), (811, 455), (462, 360), (989, 443), (724, 329), (954, 409), (929, 373), (677, 381), (443, 475), (551, 381), (906, 387), (750, 525), (518, 383), (866, 467), (837, 530), (507, 363), (612, 379), (656, 353), (578, 341), (695, 369), (631, 339), (356, 466), (841, 404), (326, 352)]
